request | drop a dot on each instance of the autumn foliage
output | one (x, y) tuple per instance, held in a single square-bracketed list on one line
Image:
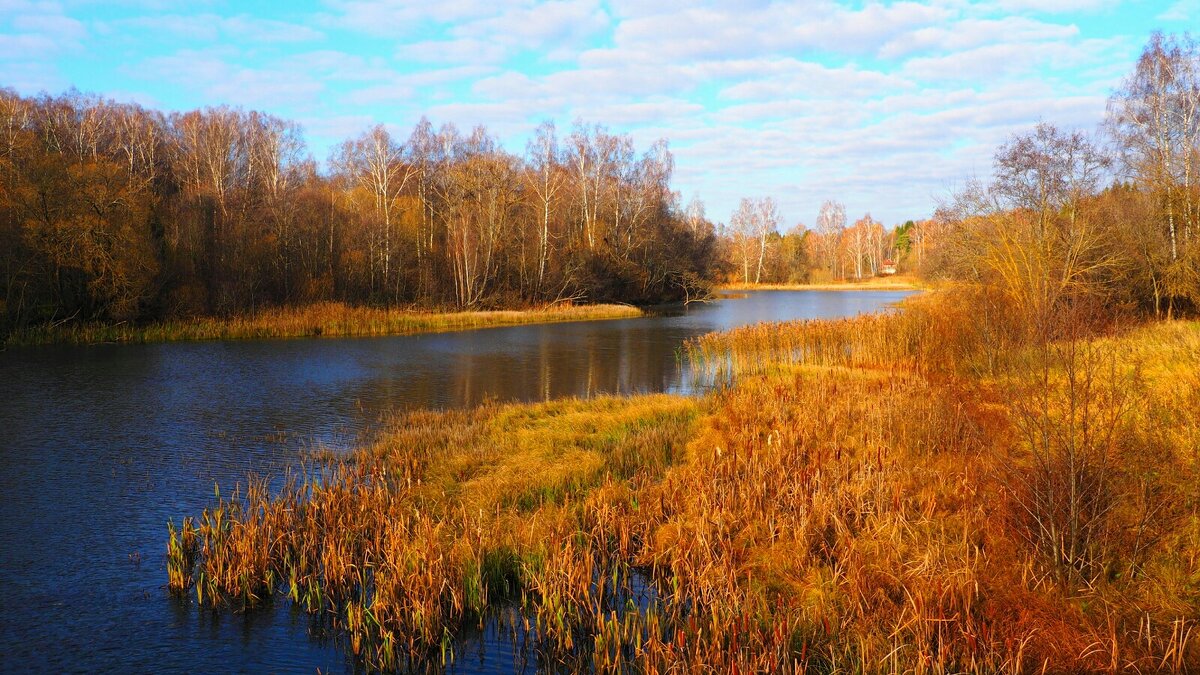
[(113, 213)]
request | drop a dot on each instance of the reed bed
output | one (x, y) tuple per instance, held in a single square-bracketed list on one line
[(876, 341), (856, 500), (951, 331), (323, 319), (449, 516)]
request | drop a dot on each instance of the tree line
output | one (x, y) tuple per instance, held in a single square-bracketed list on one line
[(756, 251), (113, 212), (1112, 216), (1107, 220)]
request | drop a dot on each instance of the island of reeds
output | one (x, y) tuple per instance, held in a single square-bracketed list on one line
[(1002, 476)]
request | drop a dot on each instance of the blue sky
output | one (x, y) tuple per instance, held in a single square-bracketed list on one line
[(886, 106)]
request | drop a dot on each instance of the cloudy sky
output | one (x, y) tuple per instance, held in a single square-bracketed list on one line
[(885, 106)]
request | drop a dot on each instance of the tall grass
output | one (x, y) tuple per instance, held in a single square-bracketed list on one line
[(327, 319), (449, 515), (855, 500), (941, 332)]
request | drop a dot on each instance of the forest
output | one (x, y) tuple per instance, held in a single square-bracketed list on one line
[(110, 212)]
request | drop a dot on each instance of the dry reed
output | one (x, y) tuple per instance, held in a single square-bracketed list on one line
[(846, 504), (323, 319)]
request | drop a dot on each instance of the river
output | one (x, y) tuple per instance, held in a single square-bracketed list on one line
[(100, 446)]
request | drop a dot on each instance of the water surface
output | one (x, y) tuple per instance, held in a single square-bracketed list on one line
[(101, 445)]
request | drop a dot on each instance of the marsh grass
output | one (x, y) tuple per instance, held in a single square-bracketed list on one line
[(324, 319), (449, 516), (850, 502)]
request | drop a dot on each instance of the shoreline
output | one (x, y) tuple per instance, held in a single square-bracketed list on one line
[(905, 284), (528, 504), (324, 319)]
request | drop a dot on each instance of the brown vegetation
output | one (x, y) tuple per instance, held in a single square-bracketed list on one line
[(326, 319), (861, 497)]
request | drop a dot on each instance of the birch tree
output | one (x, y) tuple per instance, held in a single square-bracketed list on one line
[(831, 221), (546, 180), (375, 162), (752, 223), (1155, 119)]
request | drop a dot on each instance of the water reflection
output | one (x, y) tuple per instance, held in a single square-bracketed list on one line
[(100, 446)]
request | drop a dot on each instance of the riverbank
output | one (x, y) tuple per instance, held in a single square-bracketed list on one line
[(326, 319), (862, 497), (904, 283)]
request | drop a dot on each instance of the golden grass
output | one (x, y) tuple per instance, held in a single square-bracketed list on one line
[(849, 503), (323, 319), (448, 515)]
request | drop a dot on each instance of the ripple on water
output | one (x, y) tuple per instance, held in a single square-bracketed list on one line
[(100, 446)]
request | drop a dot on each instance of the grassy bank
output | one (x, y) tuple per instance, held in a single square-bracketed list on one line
[(326, 319), (893, 283), (904, 492)]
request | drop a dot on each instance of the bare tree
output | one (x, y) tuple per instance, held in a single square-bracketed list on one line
[(376, 162), (546, 179), (482, 198), (648, 184), (695, 213), (831, 221), (1155, 119), (767, 217), (590, 153), (423, 157), (1031, 231), (276, 150), (752, 223), (859, 243)]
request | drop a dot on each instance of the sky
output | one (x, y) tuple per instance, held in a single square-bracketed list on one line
[(884, 106)]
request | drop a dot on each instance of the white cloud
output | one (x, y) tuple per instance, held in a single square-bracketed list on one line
[(31, 77), (1057, 6), (57, 25), (792, 28), (462, 50), (224, 82), (1183, 10), (212, 27), (995, 61), (971, 33), (881, 103), (793, 79)]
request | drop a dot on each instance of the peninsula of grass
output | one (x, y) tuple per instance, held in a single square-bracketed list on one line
[(325, 319), (907, 492)]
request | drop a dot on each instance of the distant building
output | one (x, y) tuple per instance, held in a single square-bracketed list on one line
[(888, 268)]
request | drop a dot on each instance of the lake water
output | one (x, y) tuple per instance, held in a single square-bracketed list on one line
[(100, 446)]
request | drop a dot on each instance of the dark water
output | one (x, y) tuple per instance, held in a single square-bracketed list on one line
[(100, 446)]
